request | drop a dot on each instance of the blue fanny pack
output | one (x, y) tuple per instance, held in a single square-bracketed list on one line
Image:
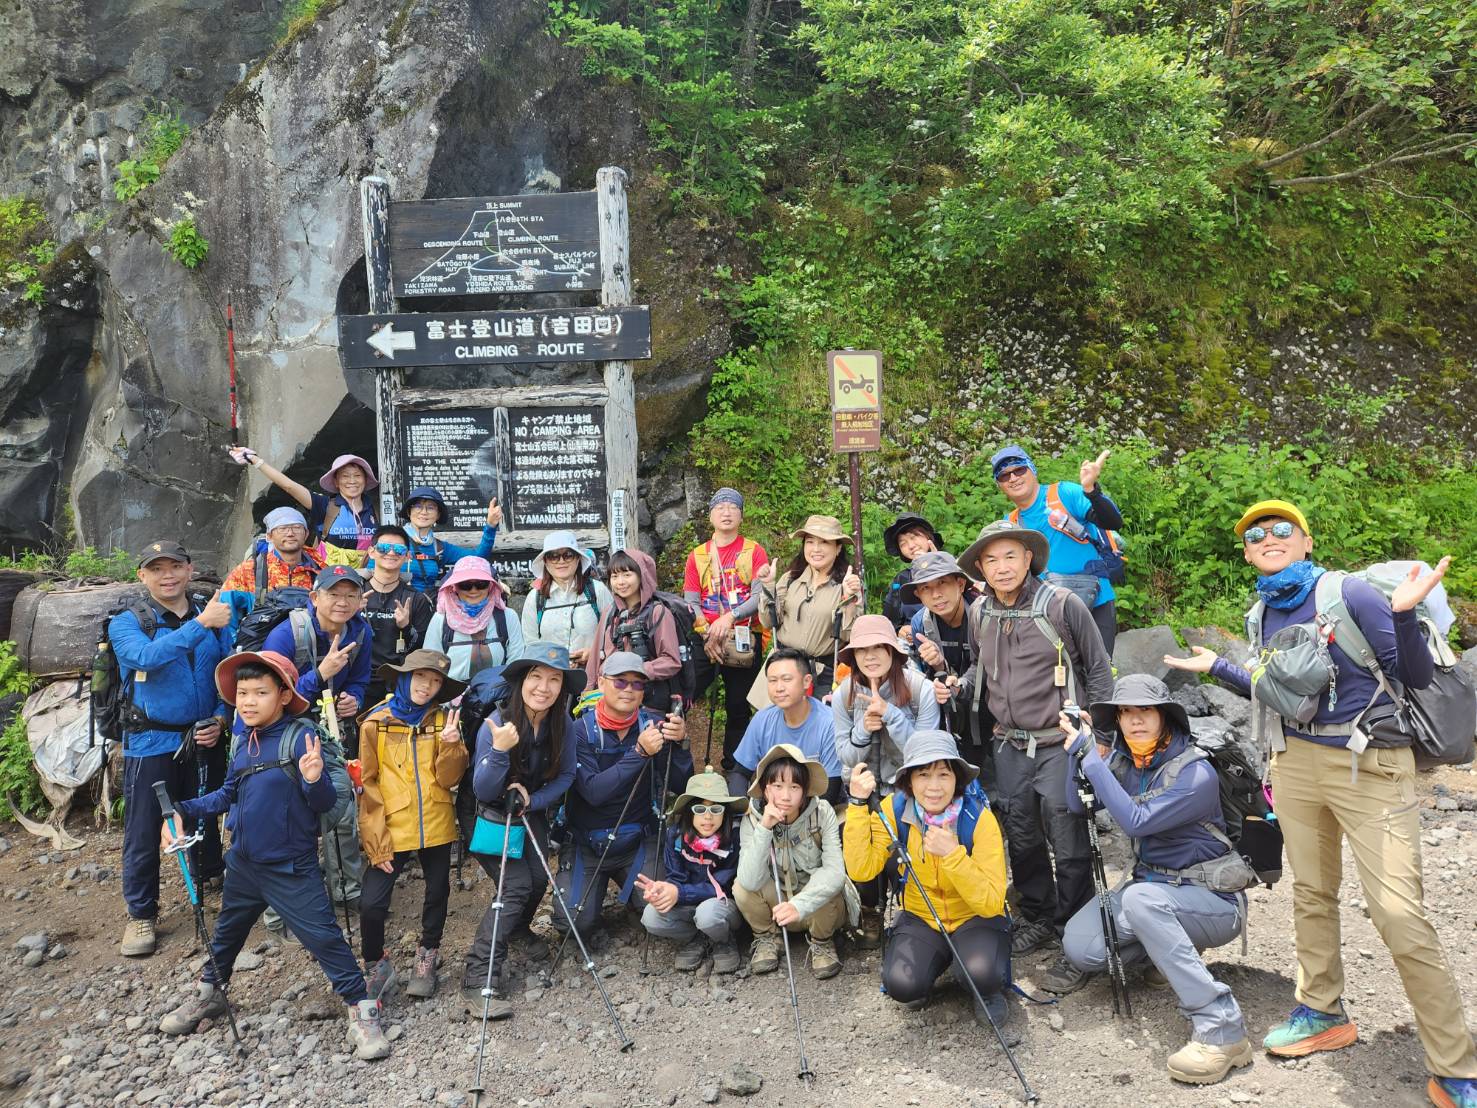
[(488, 838)]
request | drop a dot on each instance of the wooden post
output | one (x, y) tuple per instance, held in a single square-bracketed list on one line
[(374, 199), (854, 473), (620, 382)]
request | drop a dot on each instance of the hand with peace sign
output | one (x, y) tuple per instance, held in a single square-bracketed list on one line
[(1091, 470), (402, 613), (216, 613), (310, 765), (335, 659), (452, 731)]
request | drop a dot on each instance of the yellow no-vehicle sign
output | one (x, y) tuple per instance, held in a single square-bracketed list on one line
[(856, 399)]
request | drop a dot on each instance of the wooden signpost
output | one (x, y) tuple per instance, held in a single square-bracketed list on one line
[(556, 457), (856, 422)]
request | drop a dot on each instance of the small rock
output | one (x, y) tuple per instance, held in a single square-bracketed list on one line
[(133, 1023), (709, 1094), (1447, 804), (57, 952), (740, 1080), (1056, 1023), (38, 941), (1238, 1097), (17, 1076), (33, 958), (246, 960), (5, 847), (1123, 1077)]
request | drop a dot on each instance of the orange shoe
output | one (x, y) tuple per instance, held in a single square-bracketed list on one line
[(1308, 1031), (1452, 1092)]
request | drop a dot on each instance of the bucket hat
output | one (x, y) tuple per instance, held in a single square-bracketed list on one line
[(280, 664), (562, 540), (433, 660), (928, 746), (870, 631), (1263, 508), (908, 521), (711, 787), (549, 654), (932, 566), (425, 492), (329, 481), (819, 781), (821, 527), (1139, 690), (1033, 540)]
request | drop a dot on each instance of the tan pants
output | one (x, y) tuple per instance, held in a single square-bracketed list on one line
[(1319, 806), (758, 909)]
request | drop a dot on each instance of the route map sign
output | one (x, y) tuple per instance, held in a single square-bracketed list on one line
[(495, 244), (856, 399), (480, 338)]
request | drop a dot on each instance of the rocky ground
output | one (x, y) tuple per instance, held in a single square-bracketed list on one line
[(79, 1020)]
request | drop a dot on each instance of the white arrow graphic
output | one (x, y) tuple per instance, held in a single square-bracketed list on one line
[(387, 340)]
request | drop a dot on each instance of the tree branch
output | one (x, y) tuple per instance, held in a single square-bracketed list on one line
[(1426, 151), (1309, 147)]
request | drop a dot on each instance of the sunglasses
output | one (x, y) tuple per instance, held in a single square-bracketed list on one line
[(1282, 529), (473, 586), (708, 809), (561, 556), (1012, 474), (391, 548), (623, 684)]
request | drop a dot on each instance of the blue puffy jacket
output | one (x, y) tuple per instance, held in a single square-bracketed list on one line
[(691, 876)]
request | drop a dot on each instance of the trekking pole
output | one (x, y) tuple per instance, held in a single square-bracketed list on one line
[(906, 862), (805, 1073), (661, 838), (835, 646), (532, 840), (1117, 976), (231, 361), (511, 801), (179, 850), (330, 714)]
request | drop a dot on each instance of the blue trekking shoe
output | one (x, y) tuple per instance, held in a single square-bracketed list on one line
[(1307, 1031), (1452, 1092)]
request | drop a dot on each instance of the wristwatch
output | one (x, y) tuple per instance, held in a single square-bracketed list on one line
[(858, 802)]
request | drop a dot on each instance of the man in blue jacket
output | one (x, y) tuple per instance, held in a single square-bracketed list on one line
[(277, 789), (622, 750), (167, 646)]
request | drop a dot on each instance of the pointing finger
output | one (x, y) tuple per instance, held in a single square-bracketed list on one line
[(1103, 457)]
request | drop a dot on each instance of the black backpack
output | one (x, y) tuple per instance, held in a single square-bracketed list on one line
[(1250, 823), (252, 631), (689, 642)]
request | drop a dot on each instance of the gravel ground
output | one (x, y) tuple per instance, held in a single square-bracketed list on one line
[(79, 1026)]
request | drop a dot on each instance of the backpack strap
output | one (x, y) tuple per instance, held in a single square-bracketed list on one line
[(304, 642), (330, 516), (1168, 775), (1038, 614), (260, 573), (1335, 623)]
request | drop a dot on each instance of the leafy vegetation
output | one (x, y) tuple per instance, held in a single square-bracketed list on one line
[(186, 244), (24, 255), (162, 135), (118, 565), (298, 15), (18, 778)]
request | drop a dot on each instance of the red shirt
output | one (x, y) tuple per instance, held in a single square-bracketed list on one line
[(735, 587)]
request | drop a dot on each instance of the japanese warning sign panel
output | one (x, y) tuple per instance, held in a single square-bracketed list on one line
[(856, 399)]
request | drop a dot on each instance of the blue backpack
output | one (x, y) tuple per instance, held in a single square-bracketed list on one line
[(976, 804)]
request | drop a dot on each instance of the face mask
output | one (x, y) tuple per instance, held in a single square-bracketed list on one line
[(1142, 749)]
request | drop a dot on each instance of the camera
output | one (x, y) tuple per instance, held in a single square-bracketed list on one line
[(632, 630)]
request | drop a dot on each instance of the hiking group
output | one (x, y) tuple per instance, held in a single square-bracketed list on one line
[(357, 696)]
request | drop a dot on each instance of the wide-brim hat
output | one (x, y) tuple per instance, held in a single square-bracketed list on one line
[(329, 481), (870, 631), (425, 492), (1033, 540), (433, 660), (562, 540), (549, 654), (928, 746), (908, 521), (711, 787), (1139, 690), (821, 527), (1283, 509), (819, 781), (935, 565), (280, 664)]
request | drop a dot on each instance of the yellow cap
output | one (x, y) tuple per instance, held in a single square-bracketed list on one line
[(1263, 508)]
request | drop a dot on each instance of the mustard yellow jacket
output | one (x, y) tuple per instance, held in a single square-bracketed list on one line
[(408, 775), (962, 885)]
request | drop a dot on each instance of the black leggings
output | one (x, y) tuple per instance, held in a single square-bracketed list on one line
[(916, 954), (374, 900)]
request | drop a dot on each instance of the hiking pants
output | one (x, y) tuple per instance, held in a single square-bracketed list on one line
[(295, 890), (714, 918), (916, 954), (374, 904), (345, 884), (142, 819), (758, 910), (1035, 790), (737, 681), (524, 885), (1318, 807), (581, 880), (1169, 925), (1106, 618)]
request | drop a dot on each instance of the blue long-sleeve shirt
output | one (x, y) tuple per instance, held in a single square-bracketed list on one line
[(691, 878), (272, 814), (426, 563), (491, 766), (171, 674), (1395, 638), (609, 767), (352, 679)]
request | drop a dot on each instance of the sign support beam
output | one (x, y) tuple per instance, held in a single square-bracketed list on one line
[(620, 382), (374, 202)]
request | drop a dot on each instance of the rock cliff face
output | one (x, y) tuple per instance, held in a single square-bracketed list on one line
[(117, 391)]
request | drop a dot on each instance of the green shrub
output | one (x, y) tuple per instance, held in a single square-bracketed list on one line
[(86, 562), (18, 778), (186, 244), (162, 135)]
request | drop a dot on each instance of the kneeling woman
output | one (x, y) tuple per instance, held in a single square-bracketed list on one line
[(526, 747), (795, 822), (1165, 795), (959, 858)]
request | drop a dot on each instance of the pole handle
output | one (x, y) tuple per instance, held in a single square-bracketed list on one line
[(166, 805)]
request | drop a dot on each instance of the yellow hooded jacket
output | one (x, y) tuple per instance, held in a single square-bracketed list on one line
[(408, 775)]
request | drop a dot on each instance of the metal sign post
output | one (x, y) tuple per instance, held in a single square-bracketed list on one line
[(856, 422)]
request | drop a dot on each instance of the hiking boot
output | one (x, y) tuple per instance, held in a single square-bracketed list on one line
[(1307, 1031), (764, 952), (365, 1031), (1032, 935), (1206, 1063), (824, 961), (498, 1006), (1452, 1092), (423, 976), (1063, 977), (1153, 977), (139, 939), (209, 1003), (691, 955), (726, 957), (281, 931), (869, 929), (378, 977), (997, 1009), (530, 946)]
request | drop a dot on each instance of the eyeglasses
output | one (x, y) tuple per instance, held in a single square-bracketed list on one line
[(623, 684), (708, 809), (1012, 474), (561, 556), (1282, 529), (473, 586), (392, 548), (424, 505)]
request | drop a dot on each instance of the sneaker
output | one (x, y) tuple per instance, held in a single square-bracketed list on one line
[(530, 946), (1206, 1063), (726, 957), (208, 1003), (869, 930), (1452, 1092), (423, 976), (764, 953), (1153, 978), (365, 1031), (498, 1006), (824, 961), (1063, 977), (691, 955), (139, 939), (997, 1009), (378, 977), (1307, 1031), (281, 931), (1032, 935)]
